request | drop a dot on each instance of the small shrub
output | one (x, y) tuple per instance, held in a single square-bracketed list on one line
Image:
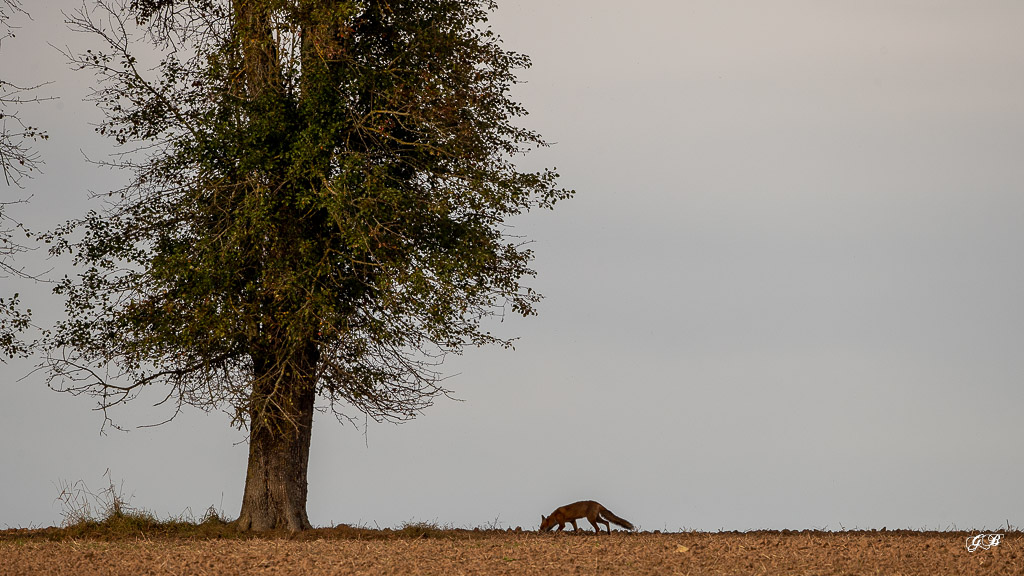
[(422, 530), (108, 514), (212, 518)]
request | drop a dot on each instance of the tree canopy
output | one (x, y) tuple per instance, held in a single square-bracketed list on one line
[(317, 207)]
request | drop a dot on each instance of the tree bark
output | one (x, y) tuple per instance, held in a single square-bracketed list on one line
[(281, 423)]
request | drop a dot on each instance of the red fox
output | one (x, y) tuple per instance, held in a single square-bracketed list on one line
[(588, 509)]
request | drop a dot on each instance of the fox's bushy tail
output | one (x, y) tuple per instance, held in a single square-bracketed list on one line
[(608, 516)]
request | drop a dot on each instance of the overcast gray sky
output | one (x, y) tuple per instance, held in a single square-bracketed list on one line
[(788, 294)]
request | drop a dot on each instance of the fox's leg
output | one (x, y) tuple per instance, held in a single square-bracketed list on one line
[(596, 522), (575, 528)]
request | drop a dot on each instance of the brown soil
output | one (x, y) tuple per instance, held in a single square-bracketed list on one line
[(351, 551)]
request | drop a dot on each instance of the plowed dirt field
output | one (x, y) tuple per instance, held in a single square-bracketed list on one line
[(323, 552)]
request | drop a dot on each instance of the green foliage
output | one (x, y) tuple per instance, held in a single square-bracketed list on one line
[(13, 321), (17, 160), (318, 195)]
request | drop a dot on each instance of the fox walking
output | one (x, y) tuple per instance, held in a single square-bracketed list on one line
[(588, 509)]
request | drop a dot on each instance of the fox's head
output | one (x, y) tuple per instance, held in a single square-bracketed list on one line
[(546, 523)]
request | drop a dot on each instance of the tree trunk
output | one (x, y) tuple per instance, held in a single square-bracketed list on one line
[(279, 435)]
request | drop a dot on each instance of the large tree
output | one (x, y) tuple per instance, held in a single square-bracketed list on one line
[(317, 208)]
